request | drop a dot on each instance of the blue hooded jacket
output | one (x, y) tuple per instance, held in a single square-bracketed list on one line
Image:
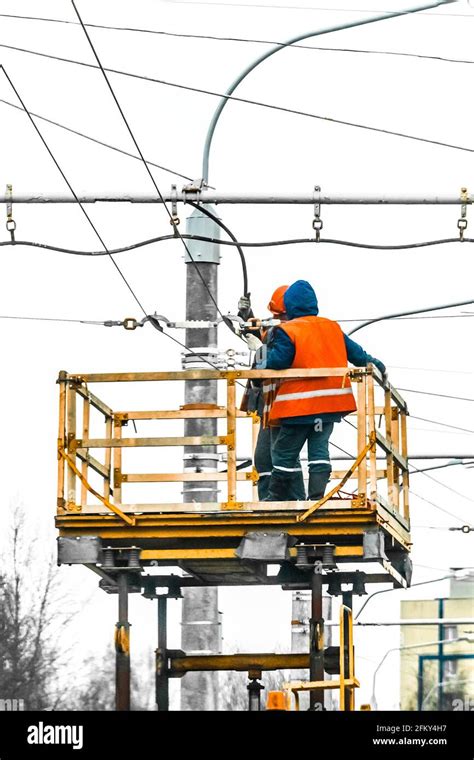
[(300, 301)]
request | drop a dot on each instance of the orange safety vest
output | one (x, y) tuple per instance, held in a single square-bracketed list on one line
[(318, 342)]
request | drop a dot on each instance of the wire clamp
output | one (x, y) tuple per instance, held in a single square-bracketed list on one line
[(462, 221), (317, 221), (11, 224), (194, 189), (174, 219)]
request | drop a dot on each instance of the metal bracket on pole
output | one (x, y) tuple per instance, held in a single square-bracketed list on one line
[(317, 221), (200, 357), (462, 221), (194, 189), (174, 220), (11, 224)]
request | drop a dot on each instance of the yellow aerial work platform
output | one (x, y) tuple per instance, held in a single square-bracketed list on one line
[(371, 524), (106, 524)]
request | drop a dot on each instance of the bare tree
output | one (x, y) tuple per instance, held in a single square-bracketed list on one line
[(97, 692), (33, 618)]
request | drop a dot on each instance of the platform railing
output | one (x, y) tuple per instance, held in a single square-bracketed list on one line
[(381, 441)]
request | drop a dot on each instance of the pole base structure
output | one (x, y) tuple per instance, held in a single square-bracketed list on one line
[(122, 647), (162, 670), (316, 638)]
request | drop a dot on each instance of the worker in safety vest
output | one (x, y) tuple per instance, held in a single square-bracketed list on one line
[(258, 396), (306, 409)]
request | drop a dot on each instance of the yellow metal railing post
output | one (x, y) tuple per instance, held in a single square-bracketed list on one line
[(86, 409), (362, 434), (346, 681), (388, 436), (395, 432), (372, 432), (405, 475), (231, 442), (71, 443), (61, 504), (117, 462), (108, 458), (255, 431)]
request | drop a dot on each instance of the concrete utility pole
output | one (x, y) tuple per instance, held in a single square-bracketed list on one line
[(200, 617)]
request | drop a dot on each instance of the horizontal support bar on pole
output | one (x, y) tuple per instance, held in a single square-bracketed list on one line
[(179, 414), (212, 374), (328, 684), (181, 477), (190, 477), (115, 443), (263, 197), (183, 663)]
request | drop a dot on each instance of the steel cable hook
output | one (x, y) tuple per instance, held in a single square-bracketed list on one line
[(317, 221), (11, 224), (462, 221)]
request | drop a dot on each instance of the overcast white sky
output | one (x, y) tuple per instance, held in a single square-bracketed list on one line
[(254, 149)]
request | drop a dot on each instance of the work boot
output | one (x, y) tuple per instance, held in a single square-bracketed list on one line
[(262, 486), (297, 489), (279, 488), (317, 484)]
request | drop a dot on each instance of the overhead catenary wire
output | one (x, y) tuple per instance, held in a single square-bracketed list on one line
[(408, 313), (309, 7), (91, 223), (415, 470), (240, 244), (459, 463), (95, 140), (220, 223), (152, 320), (147, 168), (247, 101), (439, 395), (386, 590), (438, 507), (218, 38), (443, 424)]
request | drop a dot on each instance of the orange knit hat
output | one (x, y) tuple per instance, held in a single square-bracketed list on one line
[(277, 304)]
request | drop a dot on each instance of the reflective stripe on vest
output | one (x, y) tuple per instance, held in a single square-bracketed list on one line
[(313, 394), (318, 343)]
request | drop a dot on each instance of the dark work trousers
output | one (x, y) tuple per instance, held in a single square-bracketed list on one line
[(285, 457), (266, 440)]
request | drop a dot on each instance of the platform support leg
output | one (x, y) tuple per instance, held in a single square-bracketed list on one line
[(254, 688), (162, 676), (348, 693), (122, 647), (316, 638)]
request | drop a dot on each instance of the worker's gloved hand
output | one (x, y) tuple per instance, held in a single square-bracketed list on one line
[(253, 342), (244, 307)]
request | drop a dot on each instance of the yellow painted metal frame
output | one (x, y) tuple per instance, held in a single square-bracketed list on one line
[(113, 518), (342, 683)]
